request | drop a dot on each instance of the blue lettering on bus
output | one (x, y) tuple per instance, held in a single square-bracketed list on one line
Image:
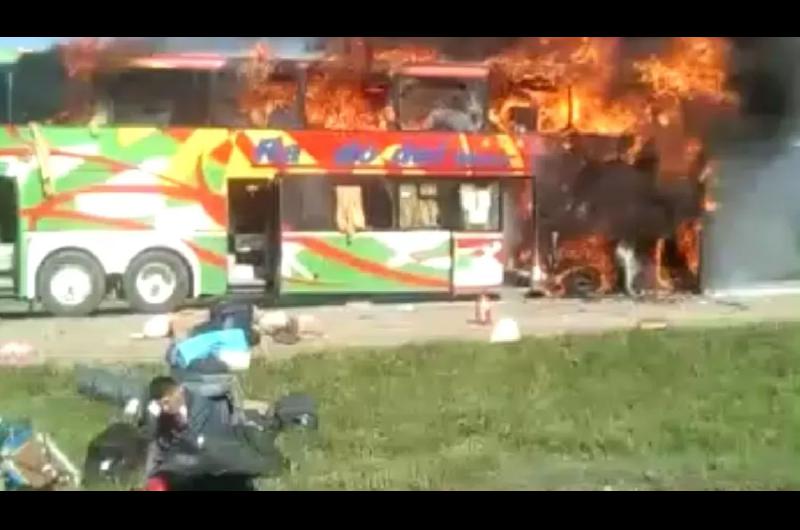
[(465, 159), (410, 154), (272, 151), (352, 153)]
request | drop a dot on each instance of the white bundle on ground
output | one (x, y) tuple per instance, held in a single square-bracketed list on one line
[(19, 354), (268, 322), (506, 330)]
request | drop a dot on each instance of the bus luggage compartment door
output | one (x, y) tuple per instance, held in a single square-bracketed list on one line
[(373, 262), (478, 262)]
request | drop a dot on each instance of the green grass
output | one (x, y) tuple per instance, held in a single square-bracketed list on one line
[(700, 409)]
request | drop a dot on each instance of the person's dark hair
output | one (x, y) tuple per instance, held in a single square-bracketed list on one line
[(161, 386)]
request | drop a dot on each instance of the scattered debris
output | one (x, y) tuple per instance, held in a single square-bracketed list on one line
[(177, 325), (285, 329), (651, 324), (289, 334), (506, 330), (359, 305), (407, 308), (730, 303), (155, 327), (19, 354), (32, 461), (260, 407), (268, 322), (650, 475), (182, 322), (308, 325)]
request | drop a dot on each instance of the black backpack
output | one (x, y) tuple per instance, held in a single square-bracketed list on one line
[(116, 456), (296, 410)]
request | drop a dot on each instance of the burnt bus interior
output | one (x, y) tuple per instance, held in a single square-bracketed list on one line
[(254, 233), (605, 224)]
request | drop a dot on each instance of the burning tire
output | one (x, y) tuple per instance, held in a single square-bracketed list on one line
[(582, 283), (157, 281), (71, 283)]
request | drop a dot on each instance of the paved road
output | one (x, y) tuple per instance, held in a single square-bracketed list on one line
[(107, 336)]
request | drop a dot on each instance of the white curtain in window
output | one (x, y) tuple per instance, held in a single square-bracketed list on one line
[(476, 204)]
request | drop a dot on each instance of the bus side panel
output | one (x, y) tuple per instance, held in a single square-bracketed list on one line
[(478, 259), (211, 251), (366, 262)]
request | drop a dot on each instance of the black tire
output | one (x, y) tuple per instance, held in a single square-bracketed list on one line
[(582, 283), (56, 263), (167, 260)]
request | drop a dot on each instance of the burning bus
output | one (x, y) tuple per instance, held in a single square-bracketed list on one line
[(364, 172)]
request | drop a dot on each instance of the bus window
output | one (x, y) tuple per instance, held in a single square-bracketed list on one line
[(428, 205), (307, 203), (439, 104), (346, 203), (447, 205), (39, 87), (379, 203), (368, 197), (225, 107), (268, 95), (157, 97), (340, 102), (480, 206)]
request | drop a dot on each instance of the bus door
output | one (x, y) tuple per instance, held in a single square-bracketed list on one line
[(9, 233), (366, 234)]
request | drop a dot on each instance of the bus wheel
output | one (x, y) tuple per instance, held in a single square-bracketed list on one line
[(157, 281), (71, 283)]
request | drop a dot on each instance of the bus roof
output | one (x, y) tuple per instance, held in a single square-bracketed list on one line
[(453, 70), (181, 61)]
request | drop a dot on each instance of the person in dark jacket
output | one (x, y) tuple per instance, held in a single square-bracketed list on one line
[(169, 407)]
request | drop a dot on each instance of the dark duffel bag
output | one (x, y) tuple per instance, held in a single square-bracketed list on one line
[(116, 456), (296, 410)]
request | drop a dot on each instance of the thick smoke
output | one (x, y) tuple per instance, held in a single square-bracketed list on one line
[(754, 237)]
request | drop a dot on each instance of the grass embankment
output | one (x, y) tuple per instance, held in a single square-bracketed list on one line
[(672, 410)]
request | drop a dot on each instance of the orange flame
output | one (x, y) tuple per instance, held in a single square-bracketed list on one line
[(405, 54), (695, 67), (662, 278), (337, 100), (592, 251), (688, 239), (262, 94), (342, 104), (567, 80)]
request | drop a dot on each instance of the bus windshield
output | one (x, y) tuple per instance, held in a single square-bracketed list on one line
[(439, 104)]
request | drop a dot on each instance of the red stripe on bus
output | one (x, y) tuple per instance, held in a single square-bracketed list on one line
[(370, 267)]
